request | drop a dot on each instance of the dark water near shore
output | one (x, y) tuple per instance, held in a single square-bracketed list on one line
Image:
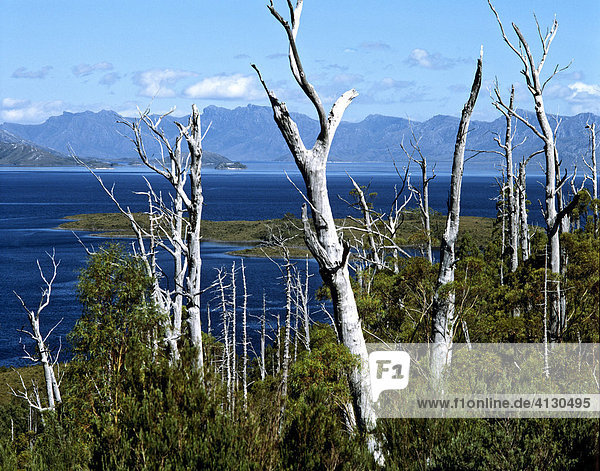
[(33, 202)]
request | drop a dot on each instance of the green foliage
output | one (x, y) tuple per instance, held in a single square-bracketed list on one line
[(491, 444), (314, 435), (126, 407)]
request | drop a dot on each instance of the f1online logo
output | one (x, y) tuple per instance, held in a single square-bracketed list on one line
[(389, 370)]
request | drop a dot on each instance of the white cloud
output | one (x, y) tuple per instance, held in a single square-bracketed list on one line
[(584, 97), (27, 112), (225, 87), (157, 82), (22, 72), (580, 88), (82, 70), (422, 58)]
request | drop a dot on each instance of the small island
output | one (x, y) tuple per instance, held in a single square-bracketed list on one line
[(231, 166)]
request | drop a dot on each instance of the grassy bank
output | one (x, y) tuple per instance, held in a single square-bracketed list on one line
[(9, 377), (256, 233)]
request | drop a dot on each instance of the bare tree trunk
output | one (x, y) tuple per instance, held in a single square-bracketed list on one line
[(368, 222), (277, 366), (297, 289), (194, 209), (263, 335), (305, 310), (522, 192), (245, 338), (233, 329), (208, 320), (423, 194), (425, 210), (324, 243), (502, 204), (225, 320), (507, 147), (443, 302), (593, 166), (286, 342), (531, 72), (42, 354)]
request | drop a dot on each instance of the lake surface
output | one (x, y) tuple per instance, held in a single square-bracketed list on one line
[(34, 201)]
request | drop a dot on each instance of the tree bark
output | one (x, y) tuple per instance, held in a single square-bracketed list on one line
[(443, 301)]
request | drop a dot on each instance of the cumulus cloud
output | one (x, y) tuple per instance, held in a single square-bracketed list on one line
[(422, 58), (583, 89), (584, 97), (158, 82), (26, 112), (22, 72), (82, 70), (225, 87)]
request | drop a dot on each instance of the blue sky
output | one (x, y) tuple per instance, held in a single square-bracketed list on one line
[(406, 58)]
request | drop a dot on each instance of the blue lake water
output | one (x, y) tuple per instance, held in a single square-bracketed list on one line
[(34, 201)]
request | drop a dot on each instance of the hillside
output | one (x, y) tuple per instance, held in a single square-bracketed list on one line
[(16, 152)]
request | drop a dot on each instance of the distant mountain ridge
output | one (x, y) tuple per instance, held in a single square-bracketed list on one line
[(91, 136), (250, 134)]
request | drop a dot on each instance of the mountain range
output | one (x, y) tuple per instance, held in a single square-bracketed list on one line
[(250, 134)]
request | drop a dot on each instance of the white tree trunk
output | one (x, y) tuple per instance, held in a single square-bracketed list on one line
[(531, 72), (513, 231), (522, 192), (193, 137), (263, 335), (43, 354), (443, 301), (324, 243), (245, 338), (593, 166)]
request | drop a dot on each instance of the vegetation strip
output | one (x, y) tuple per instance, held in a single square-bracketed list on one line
[(256, 233)]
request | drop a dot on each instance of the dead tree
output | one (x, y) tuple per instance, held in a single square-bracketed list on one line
[(422, 194), (245, 337), (381, 229), (305, 307), (443, 302), (324, 242), (263, 336), (43, 353), (193, 204), (507, 149), (593, 167), (531, 72), (169, 229), (233, 342)]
